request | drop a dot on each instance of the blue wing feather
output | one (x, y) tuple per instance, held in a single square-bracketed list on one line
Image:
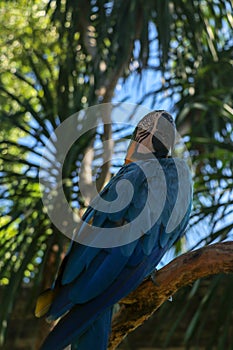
[(80, 258)]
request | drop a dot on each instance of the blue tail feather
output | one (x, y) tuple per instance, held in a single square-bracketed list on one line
[(96, 337), (91, 332)]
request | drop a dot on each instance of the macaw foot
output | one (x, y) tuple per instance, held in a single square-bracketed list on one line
[(153, 277)]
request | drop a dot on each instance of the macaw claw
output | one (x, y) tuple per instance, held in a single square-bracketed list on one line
[(153, 277)]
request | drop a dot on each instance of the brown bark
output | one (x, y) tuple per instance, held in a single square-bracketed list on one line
[(139, 305)]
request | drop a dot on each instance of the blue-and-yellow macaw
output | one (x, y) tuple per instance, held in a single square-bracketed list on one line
[(92, 278)]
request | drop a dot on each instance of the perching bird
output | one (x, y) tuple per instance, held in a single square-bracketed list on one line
[(92, 278)]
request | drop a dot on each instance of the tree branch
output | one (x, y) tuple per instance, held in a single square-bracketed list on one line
[(86, 174), (139, 305), (108, 146)]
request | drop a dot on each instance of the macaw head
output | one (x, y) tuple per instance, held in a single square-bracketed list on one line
[(154, 135)]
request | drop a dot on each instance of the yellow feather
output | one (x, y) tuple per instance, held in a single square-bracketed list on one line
[(44, 302)]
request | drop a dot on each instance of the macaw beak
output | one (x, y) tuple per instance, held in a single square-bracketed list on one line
[(130, 152)]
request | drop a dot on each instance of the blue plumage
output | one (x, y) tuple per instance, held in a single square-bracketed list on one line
[(93, 279)]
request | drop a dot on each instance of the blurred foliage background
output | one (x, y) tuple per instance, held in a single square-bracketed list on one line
[(58, 57)]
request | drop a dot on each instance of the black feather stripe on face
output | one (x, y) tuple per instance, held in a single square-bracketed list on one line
[(142, 135)]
